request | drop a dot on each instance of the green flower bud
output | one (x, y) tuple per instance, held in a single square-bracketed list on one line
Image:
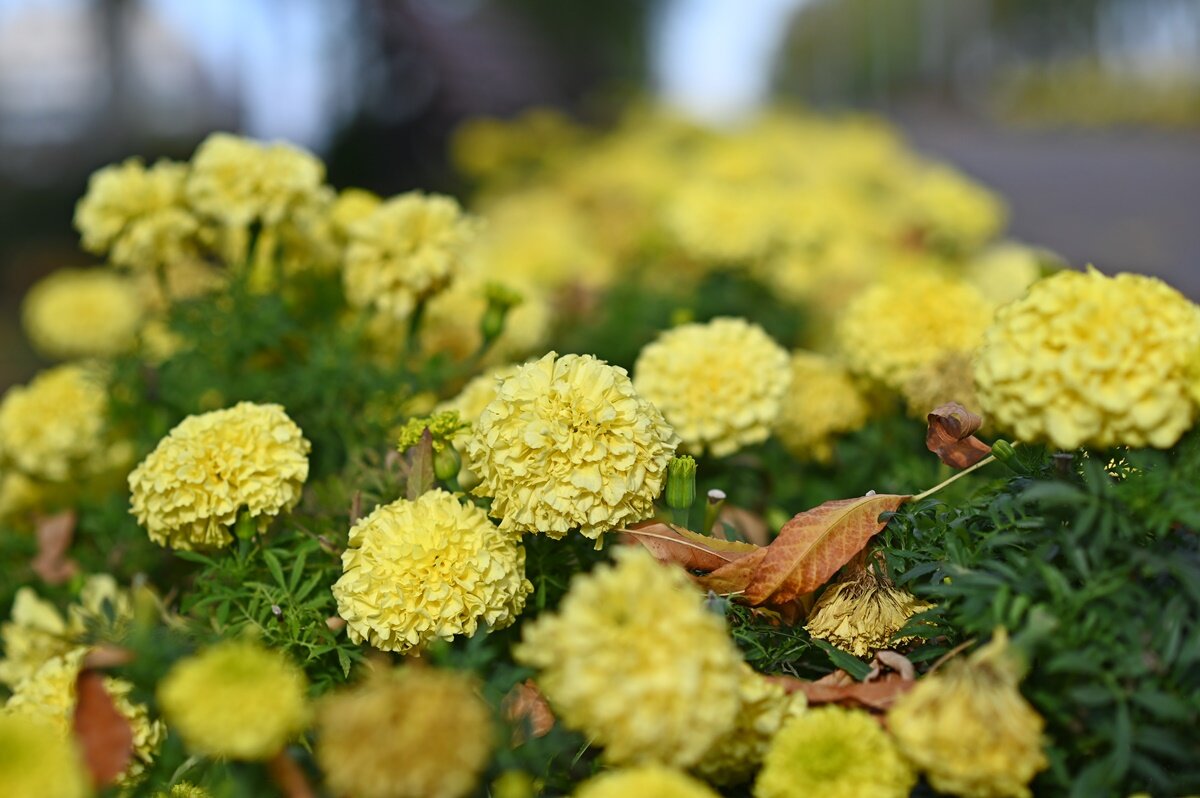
[(447, 463), (1003, 451), (681, 482)]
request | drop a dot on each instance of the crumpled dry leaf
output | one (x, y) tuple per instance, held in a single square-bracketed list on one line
[(528, 711), (54, 536), (891, 677), (695, 552), (951, 436), (104, 735)]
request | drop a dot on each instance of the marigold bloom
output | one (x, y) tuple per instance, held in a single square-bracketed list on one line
[(953, 210), (53, 428), (646, 780), (82, 313), (764, 708), (352, 206), (821, 403), (1004, 272), (862, 612), (434, 568), (39, 761), (568, 443), (834, 753), (895, 327), (968, 728), (469, 404), (405, 733), (719, 384), (406, 251), (948, 379), (138, 216), (249, 458), (1086, 359), (236, 699), (634, 660)]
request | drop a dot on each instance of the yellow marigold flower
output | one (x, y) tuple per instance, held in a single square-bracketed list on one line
[(77, 313), (567, 443), (39, 761), (951, 209), (862, 612), (18, 494), (405, 252), (719, 384), (895, 327), (53, 428), (821, 403), (469, 404), (968, 729), (1004, 272), (948, 379), (236, 699), (834, 753), (723, 222), (643, 782), (237, 180), (190, 489), (138, 216), (635, 661), (765, 708), (352, 206), (405, 733), (453, 321), (1086, 359), (434, 568)]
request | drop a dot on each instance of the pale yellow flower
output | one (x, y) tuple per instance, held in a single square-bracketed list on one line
[(1086, 359), (861, 613), (952, 210), (722, 221), (1004, 271), (950, 378), (434, 568), (719, 384), (634, 660), (821, 403), (76, 313), (53, 428), (352, 206), (645, 781), (249, 458), (39, 762), (469, 404), (568, 444)]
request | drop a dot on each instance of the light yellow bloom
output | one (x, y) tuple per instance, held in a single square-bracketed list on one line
[(968, 728), (352, 206), (76, 313), (236, 700), (821, 403), (53, 428), (18, 494), (948, 379), (469, 404), (1004, 272), (434, 568), (1086, 359), (405, 733), (834, 753), (39, 762), (634, 660), (952, 210), (567, 443), (643, 782), (407, 250), (722, 221), (862, 612), (249, 458), (719, 384)]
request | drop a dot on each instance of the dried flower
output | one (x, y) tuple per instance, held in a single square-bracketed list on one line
[(634, 660), (821, 403), (862, 612), (249, 458), (644, 781), (82, 313), (568, 443), (39, 761), (718, 384), (53, 428)]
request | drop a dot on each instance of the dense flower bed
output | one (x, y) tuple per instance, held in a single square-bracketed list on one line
[(611, 483)]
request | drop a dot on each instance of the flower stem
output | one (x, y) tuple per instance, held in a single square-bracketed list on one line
[(959, 475)]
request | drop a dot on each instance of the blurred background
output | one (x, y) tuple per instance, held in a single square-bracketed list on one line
[(1085, 114)]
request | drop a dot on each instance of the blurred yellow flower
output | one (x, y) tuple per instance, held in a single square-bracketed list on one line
[(721, 221), (634, 660), (249, 458), (643, 782), (719, 384), (469, 404), (821, 403), (53, 428), (951, 210), (39, 762), (352, 206), (567, 443), (950, 378), (1003, 272), (77, 313), (434, 568)]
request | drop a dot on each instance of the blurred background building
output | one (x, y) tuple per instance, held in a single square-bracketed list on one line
[(1084, 113)]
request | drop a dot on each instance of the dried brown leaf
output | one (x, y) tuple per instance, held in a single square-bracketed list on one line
[(420, 467), (693, 551), (841, 688), (527, 709), (54, 536), (104, 735), (951, 436)]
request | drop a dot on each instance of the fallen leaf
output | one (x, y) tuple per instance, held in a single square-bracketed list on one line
[(104, 735), (529, 712), (54, 536), (420, 467), (289, 777), (107, 656), (951, 436), (896, 661), (876, 694), (693, 551)]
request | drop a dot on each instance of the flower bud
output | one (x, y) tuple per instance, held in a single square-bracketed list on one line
[(681, 482), (447, 463), (1003, 451)]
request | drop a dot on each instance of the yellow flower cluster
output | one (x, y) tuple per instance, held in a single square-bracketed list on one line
[(39, 761), (834, 753), (77, 313), (634, 660), (718, 384), (569, 444), (53, 428), (861, 613), (717, 220), (236, 699), (948, 379), (249, 458), (822, 402), (405, 733), (764, 708), (968, 729), (892, 329), (644, 780), (405, 251), (1086, 359), (434, 568)]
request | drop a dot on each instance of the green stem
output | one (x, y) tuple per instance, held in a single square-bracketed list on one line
[(679, 516), (413, 343), (959, 475)]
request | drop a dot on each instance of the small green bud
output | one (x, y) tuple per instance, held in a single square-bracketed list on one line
[(447, 463), (681, 482), (245, 528), (1003, 451), (501, 299)]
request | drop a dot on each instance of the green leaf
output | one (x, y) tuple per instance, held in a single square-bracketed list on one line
[(344, 661), (275, 568), (847, 662)]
